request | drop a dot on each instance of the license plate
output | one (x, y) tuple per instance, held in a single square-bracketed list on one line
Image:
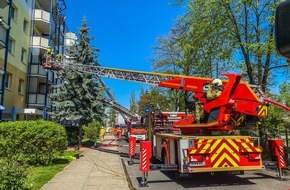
[(196, 163), (140, 137)]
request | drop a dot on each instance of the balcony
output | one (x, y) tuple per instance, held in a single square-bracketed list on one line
[(38, 100), (3, 3), (39, 71), (39, 42), (42, 20), (3, 32)]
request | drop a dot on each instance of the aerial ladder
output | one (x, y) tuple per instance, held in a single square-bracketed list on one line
[(124, 112), (237, 100), (195, 149)]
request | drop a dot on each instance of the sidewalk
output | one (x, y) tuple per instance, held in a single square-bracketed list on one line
[(97, 169)]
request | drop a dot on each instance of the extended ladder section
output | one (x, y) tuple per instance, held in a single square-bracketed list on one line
[(116, 106), (152, 78), (121, 109), (129, 75)]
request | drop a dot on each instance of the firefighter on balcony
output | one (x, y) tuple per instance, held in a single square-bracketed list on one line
[(48, 58), (57, 64)]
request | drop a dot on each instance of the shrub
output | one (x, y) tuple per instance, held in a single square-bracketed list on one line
[(92, 131), (72, 135), (33, 142), (88, 143), (13, 175)]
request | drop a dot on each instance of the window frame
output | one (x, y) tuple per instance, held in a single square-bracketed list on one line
[(25, 26), (10, 46), (14, 12), (23, 55), (20, 86), (8, 81)]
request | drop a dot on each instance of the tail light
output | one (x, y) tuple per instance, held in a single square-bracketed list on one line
[(254, 156), (196, 158)]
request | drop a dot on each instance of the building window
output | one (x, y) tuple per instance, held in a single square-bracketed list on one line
[(8, 81), (20, 86), (25, 26), (42, 87), (11, 46), (23, 55), (13, 12)]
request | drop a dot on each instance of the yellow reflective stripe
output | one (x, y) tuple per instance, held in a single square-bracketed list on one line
[(228, 158), (225, 146), (206, 147), (215, 144)]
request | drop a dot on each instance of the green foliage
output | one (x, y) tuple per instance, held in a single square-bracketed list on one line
[(133, 103), (221, 36), (40, 175), (72, 135), (88, 142), (13, 175), (156, 100), (92, 131), (33, 142), (111, 116), (80, 94), (285, 94)]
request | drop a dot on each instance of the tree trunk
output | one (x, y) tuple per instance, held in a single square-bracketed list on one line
[(80, 134)]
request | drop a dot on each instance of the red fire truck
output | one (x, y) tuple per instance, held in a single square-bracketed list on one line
[(190, 146), (136, 129)]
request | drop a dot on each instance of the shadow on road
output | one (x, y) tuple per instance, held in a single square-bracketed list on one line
[(202, 180)]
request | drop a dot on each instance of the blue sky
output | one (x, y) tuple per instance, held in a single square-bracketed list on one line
[(125, 31)]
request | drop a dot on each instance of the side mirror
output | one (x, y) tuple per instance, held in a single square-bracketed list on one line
[(282, 29)]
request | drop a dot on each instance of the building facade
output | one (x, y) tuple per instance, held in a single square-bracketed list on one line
[(34, 25)]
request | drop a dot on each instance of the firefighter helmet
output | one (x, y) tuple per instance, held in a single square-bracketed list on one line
[(217, 82)]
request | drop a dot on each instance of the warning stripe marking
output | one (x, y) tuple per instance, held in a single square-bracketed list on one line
[(241, 119), (246, 145), (281, 156), (225, 152), (263, 110)]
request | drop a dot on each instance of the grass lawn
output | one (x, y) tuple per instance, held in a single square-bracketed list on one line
[(38, 176)]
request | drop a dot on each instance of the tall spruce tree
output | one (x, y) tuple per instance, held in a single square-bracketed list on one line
[(79, 96)]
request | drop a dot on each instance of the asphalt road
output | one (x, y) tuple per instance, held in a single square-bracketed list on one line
[(251, 180)]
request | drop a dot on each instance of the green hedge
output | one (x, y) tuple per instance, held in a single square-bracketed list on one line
[(13, 176), (32, 142)]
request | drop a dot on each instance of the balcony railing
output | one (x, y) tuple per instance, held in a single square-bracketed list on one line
[(38, 70), (38, 100), (3, 3), (42, 20), (40, 42)]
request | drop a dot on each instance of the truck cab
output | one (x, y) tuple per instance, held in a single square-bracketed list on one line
[(136, 128)]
